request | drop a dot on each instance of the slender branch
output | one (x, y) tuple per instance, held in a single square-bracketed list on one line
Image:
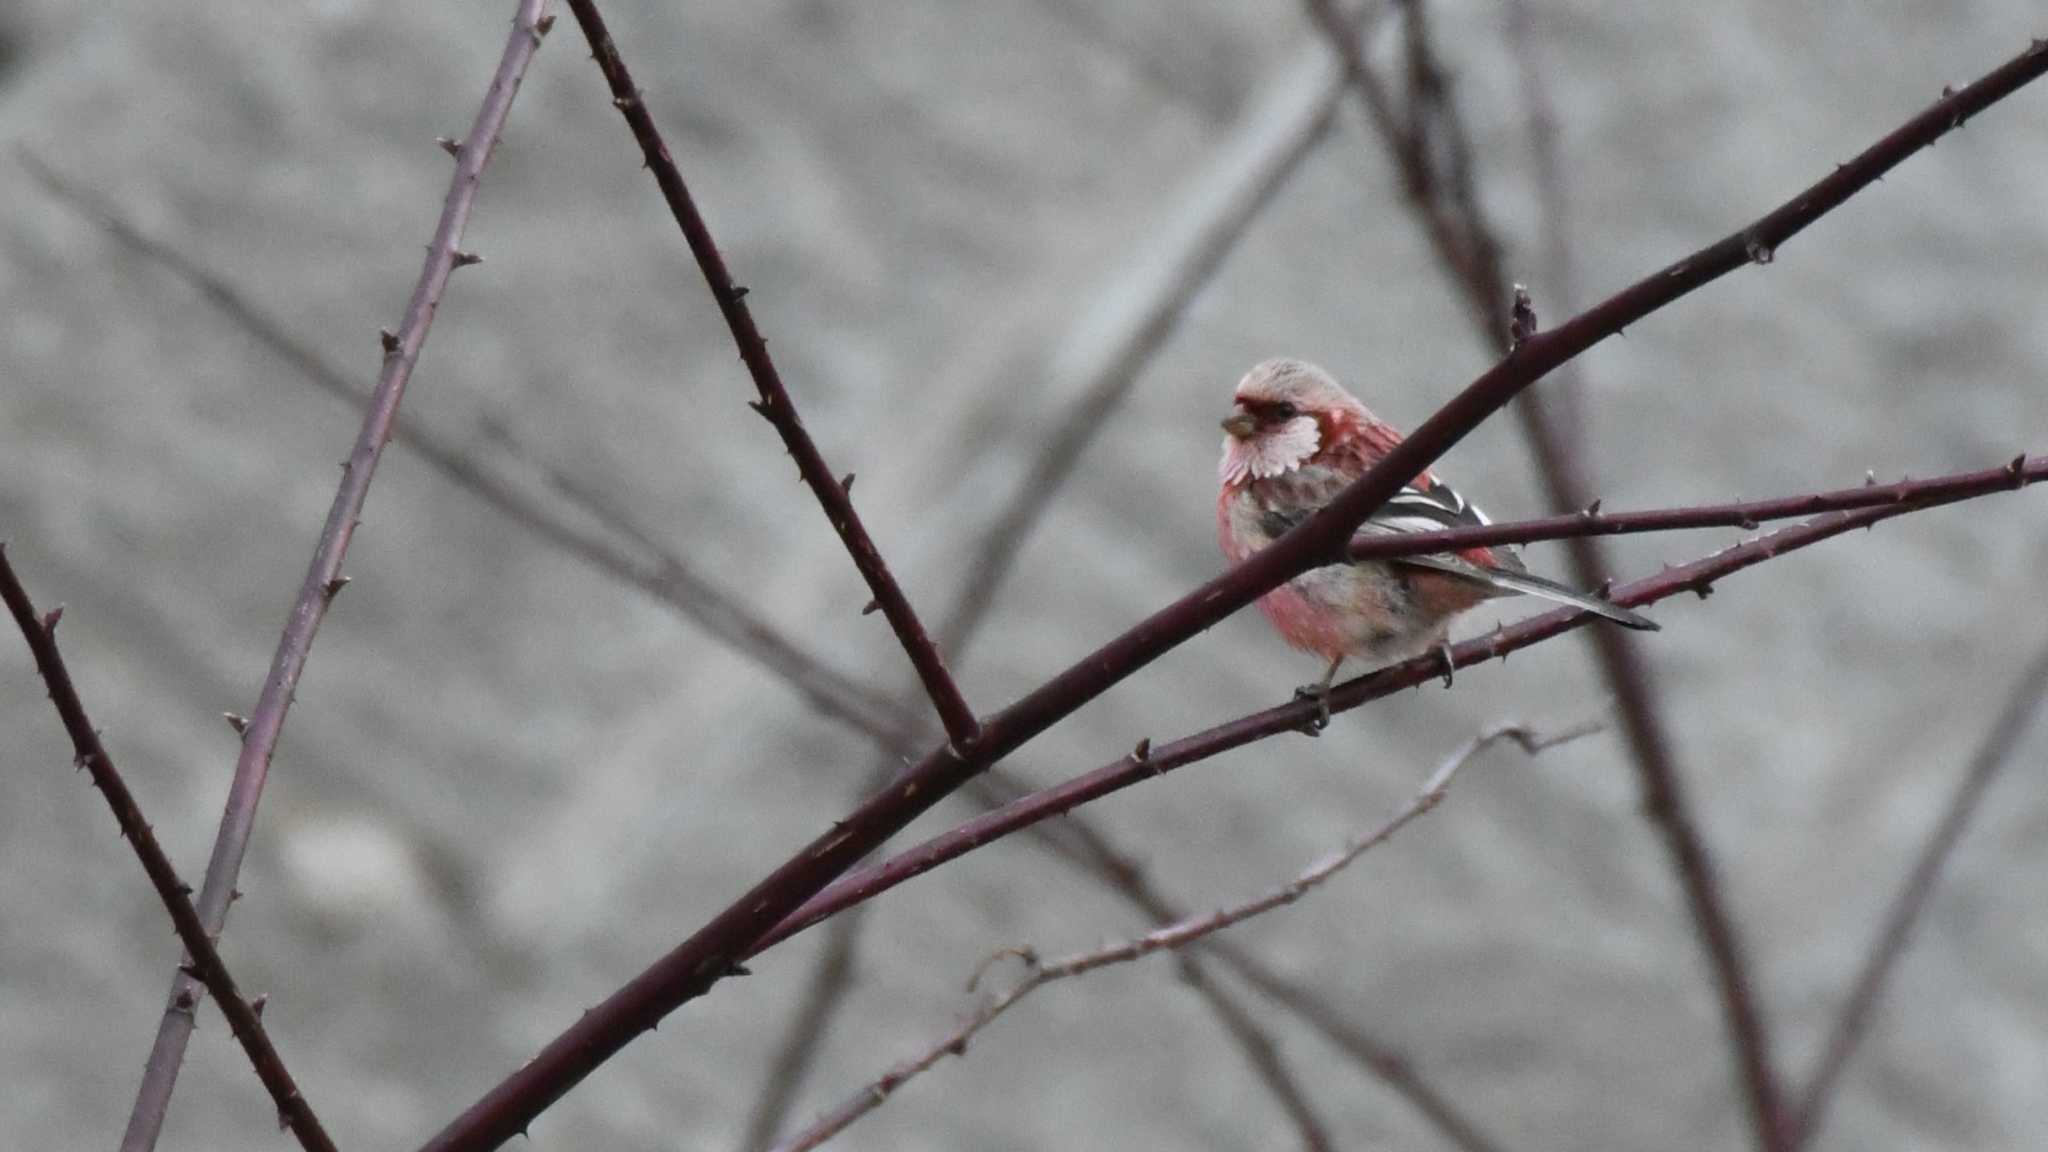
[(1993, 754), (205, 964), (652, 569), (1154, 760), (775, 405), (1388, 1066), (831, 978), (2016, 473), (1170, 937), (708, 955), (323, 576)]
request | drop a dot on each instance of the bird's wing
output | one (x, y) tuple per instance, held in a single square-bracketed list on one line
[(1433, 505), (1429, 505), (1523, 581)]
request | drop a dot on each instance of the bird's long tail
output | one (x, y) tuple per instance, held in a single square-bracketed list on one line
[(1533, 585)]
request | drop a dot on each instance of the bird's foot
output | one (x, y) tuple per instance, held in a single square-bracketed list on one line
[(1443, 652), (1320, 693)]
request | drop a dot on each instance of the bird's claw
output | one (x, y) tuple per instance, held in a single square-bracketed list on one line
[(1450, 666), (1320, 693)]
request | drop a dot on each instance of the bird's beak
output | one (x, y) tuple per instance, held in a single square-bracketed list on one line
[(1240, 424)]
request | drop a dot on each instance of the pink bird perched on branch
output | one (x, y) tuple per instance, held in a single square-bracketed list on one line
[(1295, 439)]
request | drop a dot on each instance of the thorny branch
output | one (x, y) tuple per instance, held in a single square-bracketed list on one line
[(709, 954), (2018, 472), (323, 578), (834, 493), (1170, 937), (205, 964)]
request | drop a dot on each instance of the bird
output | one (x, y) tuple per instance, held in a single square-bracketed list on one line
[(1294, 439)]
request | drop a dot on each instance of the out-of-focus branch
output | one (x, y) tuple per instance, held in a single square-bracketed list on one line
[(1446, 202), (641, 562), (323, 576), (205, 964), (708, 955), (1150, 760), (1991, 758), (2015, 473), (1170, 937), (834, 493)]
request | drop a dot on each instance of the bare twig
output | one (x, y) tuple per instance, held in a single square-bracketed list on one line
[(1295, 716), (1992, 756), (323, 576), (205, 964), (1169, 937), (707, 956), (775, 404)]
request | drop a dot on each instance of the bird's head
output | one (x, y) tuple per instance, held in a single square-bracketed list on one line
[(1283, 413)]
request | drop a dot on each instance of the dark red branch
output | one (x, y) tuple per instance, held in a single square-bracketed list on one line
[(709, 954), (206, 964), (1294, 716), (775, 404), (1750, 514)]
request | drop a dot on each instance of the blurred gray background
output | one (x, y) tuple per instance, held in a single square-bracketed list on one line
[(510, 782)]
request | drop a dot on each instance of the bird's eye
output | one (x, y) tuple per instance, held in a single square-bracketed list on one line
[(1285, 411)]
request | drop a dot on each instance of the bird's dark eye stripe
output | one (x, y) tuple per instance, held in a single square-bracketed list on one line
[(1270, 409)]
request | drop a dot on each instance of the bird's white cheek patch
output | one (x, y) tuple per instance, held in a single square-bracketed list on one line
[(1272, 453)]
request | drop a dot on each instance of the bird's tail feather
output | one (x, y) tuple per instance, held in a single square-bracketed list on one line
[(1531, 584)]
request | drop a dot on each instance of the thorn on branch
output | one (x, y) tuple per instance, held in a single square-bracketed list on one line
[(237, 721), (1703, 589), (738, 293), (2017, 469), (1143, 752), (389, 339), (333, 587), (184, 1001), (628, 102), (761, 409), (450, 145), (544, 25), (735, 968), (846, 483), (1591, 510), (871, 607), (1758, 251), (258, 1003), (1870, 477), (1521, 319), (49, 620), (463, 259)]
